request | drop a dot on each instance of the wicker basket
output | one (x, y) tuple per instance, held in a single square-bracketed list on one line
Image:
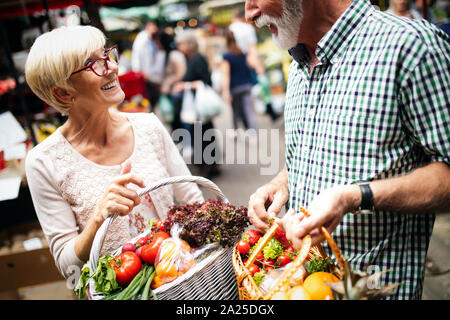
[(212, 278), (249, 290)]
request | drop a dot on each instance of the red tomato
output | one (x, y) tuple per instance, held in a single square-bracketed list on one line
[(127, 265), (149, 251), (268, 268), (268, 263), (243, 247), (253, 269), (253, 236), (142, 241), (283, 260), (280, 235), (158, 225), (259, 259)]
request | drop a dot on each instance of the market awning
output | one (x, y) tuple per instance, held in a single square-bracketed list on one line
[(16, 8)]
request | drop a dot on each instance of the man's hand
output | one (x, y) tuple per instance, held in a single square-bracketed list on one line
[(268, 201), (326, 210)]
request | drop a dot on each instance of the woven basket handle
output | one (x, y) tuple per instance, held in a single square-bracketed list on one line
[(101, 232)]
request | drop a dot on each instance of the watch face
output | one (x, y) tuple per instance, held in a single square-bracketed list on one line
[(365, 211)]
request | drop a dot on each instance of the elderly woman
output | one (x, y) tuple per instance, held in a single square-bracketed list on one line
[(197, 71), (93, 165)]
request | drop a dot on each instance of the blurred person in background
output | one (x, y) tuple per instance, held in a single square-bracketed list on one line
[(237, 84), (246, 39), (417, 8), (149, 57), (402, 8), (366, 131), (175, 70), (197, 71), (93, 165)]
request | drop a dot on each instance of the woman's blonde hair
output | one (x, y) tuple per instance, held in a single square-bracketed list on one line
[(55, 55)]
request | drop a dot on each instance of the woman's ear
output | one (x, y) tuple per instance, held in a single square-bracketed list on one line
[(63, 95)]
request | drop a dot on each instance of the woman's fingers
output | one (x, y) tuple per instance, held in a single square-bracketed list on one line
[(127, 178), (117, 204), (125, 192)]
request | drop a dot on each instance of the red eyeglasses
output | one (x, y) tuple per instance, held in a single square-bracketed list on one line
[(100, 66)]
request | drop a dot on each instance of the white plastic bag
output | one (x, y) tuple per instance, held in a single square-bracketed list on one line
[(188, 109), (207, 102)]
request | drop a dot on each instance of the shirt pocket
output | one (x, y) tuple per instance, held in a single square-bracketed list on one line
[(348, 149)]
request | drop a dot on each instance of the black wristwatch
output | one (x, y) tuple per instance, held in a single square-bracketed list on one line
[(366, 206)]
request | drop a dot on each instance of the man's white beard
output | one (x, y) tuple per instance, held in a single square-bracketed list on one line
[(288, 25)]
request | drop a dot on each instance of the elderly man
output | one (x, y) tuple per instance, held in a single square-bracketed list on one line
[(367, 133)]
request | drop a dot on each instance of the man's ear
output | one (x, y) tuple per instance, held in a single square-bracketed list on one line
[(62, 94)]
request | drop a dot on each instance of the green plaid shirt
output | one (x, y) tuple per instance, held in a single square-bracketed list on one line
[(376, 106)]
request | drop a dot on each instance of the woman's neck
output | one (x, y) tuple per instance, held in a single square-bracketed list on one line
[(89, 128)]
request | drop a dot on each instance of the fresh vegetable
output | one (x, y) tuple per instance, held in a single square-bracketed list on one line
[(283, 260), (142, 242), (243, 247), (273, 249), (259, 259), (83, 282), (126, 266), (156, 225), (252, 236), (212, 221), (258, 277), (280, 235), (253, 269), (149, 251), (138, 251), (104, 276), (128, 247), (317, 264), (139, 285)]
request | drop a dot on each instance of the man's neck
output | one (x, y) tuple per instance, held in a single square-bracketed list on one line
[(318, 18)]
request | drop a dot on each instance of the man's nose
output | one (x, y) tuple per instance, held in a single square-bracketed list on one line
[(251, 10)]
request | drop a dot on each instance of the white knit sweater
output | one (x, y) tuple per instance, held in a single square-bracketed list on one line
[(65, 188)]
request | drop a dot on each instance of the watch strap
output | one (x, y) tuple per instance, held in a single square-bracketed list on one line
[(367, 205)]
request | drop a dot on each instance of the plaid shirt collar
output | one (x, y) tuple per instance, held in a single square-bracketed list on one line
[(336, 40)]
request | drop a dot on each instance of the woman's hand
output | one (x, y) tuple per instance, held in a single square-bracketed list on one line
[(268, 201), (117, 197), (326, 210)]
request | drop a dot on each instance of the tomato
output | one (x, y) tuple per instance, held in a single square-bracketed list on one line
[(126, 265), (259, 259), (253, 269), (253, 236), (289, 248), (142, 241), (158, 225), (149, 251), (280, 235), (268, 263), (269, 268), (243, 247), (283, 260)]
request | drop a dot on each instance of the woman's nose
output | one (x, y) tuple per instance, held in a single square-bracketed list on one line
[(251, 10)]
